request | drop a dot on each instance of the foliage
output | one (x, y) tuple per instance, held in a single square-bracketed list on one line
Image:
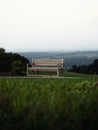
[(96, 66), (17, 67), (86, 69), (50, 104), (2, 50), (7, 60)]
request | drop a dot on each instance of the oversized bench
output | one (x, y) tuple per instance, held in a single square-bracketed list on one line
[(46, 64)]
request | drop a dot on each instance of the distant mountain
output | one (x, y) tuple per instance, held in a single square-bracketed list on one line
[(70, 58)]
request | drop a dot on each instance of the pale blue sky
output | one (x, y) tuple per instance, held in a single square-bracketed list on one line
[(33, 25)]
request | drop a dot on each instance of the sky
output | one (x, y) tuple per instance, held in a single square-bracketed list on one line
[(43, 25)]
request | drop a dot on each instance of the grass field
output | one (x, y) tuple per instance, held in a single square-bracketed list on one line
[(49, 104)]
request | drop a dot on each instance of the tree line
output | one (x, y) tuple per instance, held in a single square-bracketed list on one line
[(12, 63), (15, 64), (86, 69)]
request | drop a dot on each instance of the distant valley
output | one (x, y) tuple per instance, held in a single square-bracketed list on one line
[(70, 58)]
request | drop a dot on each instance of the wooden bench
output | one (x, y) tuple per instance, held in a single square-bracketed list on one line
[(46, 64)]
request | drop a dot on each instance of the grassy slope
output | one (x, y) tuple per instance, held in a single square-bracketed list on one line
[(27, 103)]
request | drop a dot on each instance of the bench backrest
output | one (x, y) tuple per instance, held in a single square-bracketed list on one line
[(47, 62)]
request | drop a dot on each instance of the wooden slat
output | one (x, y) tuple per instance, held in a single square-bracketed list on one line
[(47, 62), (43, 68)]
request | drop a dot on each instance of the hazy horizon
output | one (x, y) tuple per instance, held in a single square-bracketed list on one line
[(41, 50), (48, 25), (51, 51)]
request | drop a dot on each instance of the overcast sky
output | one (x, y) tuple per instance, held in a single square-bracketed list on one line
[(33, 25)]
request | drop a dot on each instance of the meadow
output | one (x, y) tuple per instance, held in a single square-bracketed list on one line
[(49, 103)]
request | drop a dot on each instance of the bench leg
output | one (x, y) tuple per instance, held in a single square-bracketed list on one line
[(58, 72), (62, 72), (27, 69)]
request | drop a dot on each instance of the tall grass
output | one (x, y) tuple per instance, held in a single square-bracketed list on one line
[(59, 104)]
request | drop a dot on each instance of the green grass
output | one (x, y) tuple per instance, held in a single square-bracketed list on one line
[(50, 104), (72, 74), (66, 74)]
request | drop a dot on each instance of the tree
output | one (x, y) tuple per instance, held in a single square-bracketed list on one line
[(95, 63), (2, 50), (17, 67), (8, 62)]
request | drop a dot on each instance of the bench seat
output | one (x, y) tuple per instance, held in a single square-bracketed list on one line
[(43, 68)]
